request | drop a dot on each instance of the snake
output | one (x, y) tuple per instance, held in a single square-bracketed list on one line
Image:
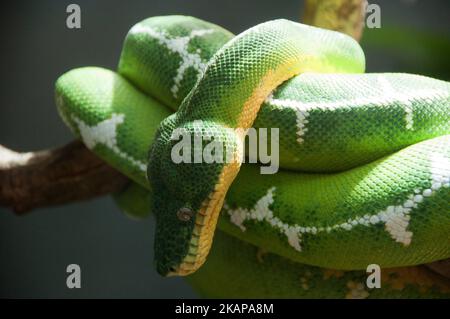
[(364, 158)]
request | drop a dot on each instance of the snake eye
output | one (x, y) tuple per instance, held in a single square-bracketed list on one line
[(185, 214)]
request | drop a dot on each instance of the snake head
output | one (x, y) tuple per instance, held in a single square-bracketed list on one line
[(189, 190)]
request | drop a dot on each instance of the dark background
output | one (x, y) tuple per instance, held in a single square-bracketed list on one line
[(114, 252)]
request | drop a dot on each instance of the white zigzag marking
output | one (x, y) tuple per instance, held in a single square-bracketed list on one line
[(302, 109), (388, 91), (105, 133), (262, 212), (180, 46), (397, 223), (395, 218)]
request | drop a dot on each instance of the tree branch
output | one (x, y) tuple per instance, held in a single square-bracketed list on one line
[(442, 267), (346, 16), (52, 177)]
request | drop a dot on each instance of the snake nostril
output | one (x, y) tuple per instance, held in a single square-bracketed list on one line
[(185, 214)]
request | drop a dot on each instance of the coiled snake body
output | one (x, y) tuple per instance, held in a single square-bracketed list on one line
[(365, 158)]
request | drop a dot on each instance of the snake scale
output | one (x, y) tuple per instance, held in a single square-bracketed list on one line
[(365, 158)]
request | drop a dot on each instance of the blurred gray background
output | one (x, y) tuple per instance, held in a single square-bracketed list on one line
[(114, 252)]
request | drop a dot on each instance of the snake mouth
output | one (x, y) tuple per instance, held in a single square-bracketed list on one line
[(205, 223)]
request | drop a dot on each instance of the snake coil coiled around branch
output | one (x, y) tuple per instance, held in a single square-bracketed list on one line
[(365, 158)]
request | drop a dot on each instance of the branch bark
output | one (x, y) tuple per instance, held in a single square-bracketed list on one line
[(346, 16), (442, 267), (53, 177)]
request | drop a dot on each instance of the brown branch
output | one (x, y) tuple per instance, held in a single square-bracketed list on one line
[(53, 177), (441, 267), (346, 16)]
